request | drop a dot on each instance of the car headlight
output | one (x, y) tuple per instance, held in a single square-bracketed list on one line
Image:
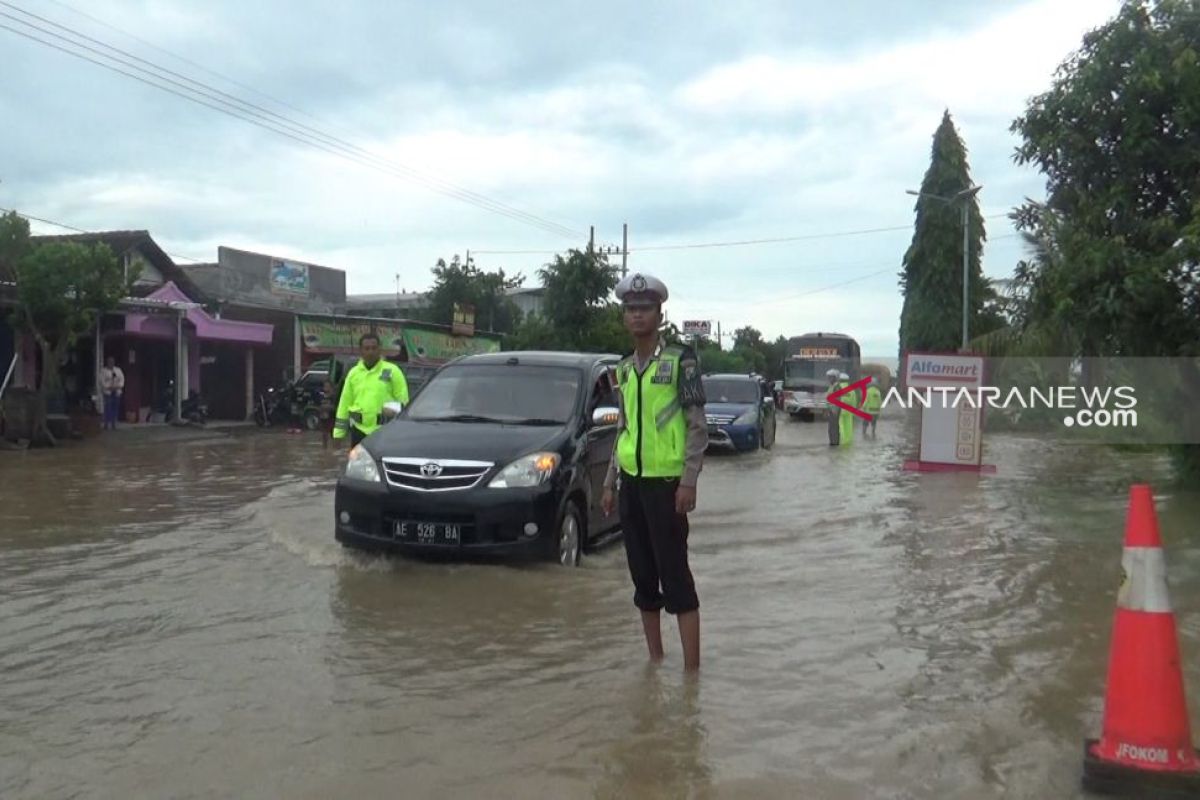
[(361, 466), (531, 470), (749, 418)]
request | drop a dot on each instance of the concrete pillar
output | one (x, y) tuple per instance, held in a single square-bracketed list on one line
[(180, 365), (249, 383), (97, 395), (297, 343), (193, 362)]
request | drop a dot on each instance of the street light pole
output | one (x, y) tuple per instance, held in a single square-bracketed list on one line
[(964, 196), (965, 274)]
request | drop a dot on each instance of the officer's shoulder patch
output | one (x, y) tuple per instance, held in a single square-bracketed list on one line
[(691, 387), (385, 374)]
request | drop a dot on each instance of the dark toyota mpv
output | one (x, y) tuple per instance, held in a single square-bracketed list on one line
[(500, 454)]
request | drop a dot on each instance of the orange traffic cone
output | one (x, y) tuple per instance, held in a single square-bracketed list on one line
[(1146, 745)]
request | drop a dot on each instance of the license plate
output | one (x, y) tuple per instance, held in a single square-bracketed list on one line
[(428, 532)]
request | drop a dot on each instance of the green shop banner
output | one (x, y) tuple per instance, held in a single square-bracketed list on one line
[(328, 336), (436, 346), (341, 336)]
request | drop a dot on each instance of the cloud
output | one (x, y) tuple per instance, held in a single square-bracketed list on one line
[(691, 123), (988, 70)]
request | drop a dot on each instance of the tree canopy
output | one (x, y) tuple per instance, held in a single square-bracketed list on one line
[(931, 279)]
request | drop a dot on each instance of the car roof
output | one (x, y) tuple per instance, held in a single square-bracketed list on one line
[(540, 358)]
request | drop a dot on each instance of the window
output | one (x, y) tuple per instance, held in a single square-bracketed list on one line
[(731, 390), (499, 392)]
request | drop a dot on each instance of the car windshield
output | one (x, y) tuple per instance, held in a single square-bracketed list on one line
[(522, 394), (728, 390)]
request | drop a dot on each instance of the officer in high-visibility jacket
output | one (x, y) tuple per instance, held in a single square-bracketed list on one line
[(662, 435), (872, 404), (368, 386), (846, 418), (832, 412)]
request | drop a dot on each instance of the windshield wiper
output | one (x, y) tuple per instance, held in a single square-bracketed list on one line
[(537, 421), (458, 418)]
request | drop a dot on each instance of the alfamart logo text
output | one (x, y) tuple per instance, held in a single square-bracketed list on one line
[(1085, 406)]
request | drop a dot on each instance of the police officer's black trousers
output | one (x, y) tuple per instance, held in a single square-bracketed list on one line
[(656, 545)]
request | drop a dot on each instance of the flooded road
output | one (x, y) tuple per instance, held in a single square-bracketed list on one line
[(177, 621)]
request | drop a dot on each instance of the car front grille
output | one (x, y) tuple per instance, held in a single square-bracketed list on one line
[(719, 419), (434, 475)]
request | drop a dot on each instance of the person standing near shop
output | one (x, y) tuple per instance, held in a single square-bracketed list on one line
[(367, 387), (656, 463), (112, 386)]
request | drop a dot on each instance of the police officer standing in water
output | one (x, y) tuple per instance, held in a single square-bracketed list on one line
[(832, 412), (368, 387), (662, 435)]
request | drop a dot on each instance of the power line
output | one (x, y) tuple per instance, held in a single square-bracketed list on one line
[(187, 61), (249, 112), (262, 117), (235, 82), (747, 242)]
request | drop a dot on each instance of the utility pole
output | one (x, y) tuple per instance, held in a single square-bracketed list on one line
[(966, 276), (720, 344), (610, 249), (592, 239), (964, 197), (624, 248)]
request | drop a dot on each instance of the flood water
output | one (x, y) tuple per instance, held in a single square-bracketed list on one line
[(177, 621)]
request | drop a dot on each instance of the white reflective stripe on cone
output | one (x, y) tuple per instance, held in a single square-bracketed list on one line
[(1144, 583)]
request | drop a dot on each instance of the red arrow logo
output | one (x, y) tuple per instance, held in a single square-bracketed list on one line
[(832, 397)]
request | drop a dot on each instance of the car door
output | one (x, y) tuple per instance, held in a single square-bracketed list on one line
[(600, 440)]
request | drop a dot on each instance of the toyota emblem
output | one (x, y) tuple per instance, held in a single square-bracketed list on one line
[(431, 470)]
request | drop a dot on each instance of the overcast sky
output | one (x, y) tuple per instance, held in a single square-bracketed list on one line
[(694, 122)]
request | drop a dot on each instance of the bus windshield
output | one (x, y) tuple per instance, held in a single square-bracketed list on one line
[(801, 372)]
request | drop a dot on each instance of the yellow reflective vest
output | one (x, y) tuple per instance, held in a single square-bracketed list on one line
[(652, 443), (874, 400), (364, 392)]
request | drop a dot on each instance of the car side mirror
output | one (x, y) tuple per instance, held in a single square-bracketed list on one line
[(605, 415)]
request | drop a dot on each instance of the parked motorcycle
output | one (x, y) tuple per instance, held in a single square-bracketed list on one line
[(288, 404), (274, 407), (192, 410)]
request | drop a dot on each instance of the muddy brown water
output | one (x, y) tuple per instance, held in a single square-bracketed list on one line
[(177, 621)]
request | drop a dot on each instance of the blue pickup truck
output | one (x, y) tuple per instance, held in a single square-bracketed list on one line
[(740, 411)]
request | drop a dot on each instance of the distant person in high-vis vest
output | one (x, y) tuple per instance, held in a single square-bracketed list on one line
[(846, 418), (872, 404), (661, 438), (368, 386)]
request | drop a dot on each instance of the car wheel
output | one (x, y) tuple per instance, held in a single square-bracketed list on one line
[(312, 421), (570, 537)]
